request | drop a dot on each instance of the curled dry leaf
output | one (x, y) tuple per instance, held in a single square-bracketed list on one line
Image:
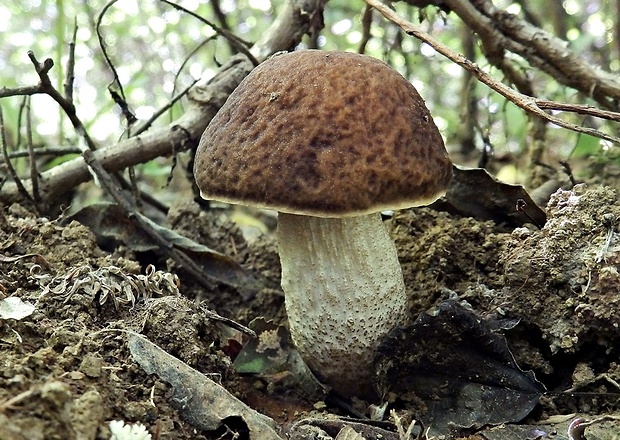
[(475, 193), (459, 367), (111, 227), (342, 429), (111, 283), (38, 259)]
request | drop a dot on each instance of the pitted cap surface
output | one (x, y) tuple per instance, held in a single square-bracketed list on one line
[(327, 134)]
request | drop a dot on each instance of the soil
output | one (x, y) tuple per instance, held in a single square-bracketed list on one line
[(66, 370)]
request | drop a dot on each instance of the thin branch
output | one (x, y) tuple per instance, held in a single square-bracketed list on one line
[(219, 14), (5, 92), (20, 186), (147, 124), (20, 118), (223, 20), (68, 88), (117, 96), (104, 51), (186, 60), (238, 43), (34, 173), (45, 87), (468, 98), (366, 26), (48, 151), (527, 103), (295, 19), (581, 109)]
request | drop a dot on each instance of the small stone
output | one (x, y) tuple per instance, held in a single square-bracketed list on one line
[(92, 365), (320, 406)]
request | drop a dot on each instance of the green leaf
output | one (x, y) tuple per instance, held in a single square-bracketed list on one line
[(586, 146)]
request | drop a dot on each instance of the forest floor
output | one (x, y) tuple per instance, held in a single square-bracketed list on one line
[(68, 366)]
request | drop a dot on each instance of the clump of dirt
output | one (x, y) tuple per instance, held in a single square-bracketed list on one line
[(443, 255), (65, 370), (562, 283), (259, 257), (564, 278)]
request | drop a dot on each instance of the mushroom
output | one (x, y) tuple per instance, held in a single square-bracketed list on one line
[(329, 140)]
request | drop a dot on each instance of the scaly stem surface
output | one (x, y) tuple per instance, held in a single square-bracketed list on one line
[(344, 292)]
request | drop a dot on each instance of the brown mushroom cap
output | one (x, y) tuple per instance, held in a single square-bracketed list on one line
[(326, 134)]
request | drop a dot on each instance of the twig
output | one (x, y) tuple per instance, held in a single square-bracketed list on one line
[(227, 321), (45, 86), (581, 109), (34, 173), (238, 43), (49, 151), (527, 103), (147, 124), (103, 47), (9, 403), (20, 186), (117, 96), (71, 64), (119, 99), (222, 19), (609, 220), (219, 14), (135, 192), (5, 92), (20, 117), (186, 60), (569, 172), (366, 25)]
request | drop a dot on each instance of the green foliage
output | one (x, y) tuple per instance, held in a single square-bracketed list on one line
[(151, 45), (586, 146), (59, 160), (515, 122)]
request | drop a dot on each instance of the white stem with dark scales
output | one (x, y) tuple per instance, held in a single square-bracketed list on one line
[(344, 292)]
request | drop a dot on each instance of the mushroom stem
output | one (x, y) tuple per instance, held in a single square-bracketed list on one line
[(344, 292)]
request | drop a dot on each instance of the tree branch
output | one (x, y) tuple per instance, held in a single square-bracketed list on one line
[(499, 31), (296, 18), (552, 55), (528, 103)]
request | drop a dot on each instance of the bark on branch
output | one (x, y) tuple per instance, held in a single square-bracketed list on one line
[(528, 103), (500, 31)]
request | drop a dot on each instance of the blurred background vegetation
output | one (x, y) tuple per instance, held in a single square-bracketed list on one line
[(159, 50)]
